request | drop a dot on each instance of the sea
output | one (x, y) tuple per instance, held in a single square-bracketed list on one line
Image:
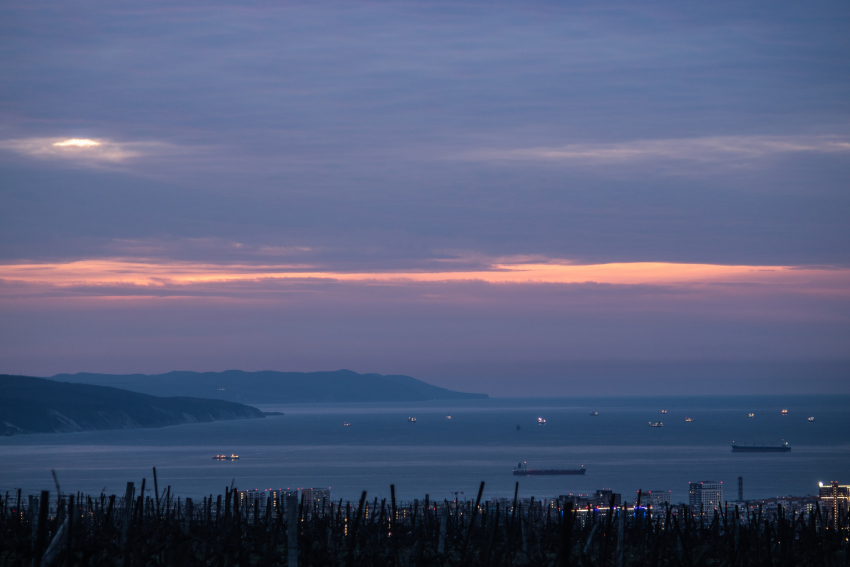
[(447, 457)]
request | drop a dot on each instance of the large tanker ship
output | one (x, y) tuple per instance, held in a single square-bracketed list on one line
[(523, 470), (782, 448)]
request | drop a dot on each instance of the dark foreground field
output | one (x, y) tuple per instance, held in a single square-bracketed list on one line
[(133, 530)]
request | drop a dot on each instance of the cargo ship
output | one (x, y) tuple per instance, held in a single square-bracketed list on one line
[(523, 470), (782, 448), (226, 457)]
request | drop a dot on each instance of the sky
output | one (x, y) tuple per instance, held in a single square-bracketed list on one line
[(518, 198)]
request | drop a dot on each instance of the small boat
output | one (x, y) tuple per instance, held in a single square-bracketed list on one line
[(518, 427), (656, 424), (688, 419), (784, 412), (226, 457), (540, 421), (346, 424), (811, 420), (664, 411), (448, 417), (594, 413), (411, 419), (752, 415)]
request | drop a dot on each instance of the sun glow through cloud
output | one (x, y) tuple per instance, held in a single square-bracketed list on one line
[(86, 151), (77, 143)]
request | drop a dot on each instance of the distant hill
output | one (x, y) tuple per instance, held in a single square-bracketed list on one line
[(37, 405), (271, 387)]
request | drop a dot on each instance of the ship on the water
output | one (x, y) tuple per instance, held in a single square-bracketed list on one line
[(523, 470), (226, 457), (781, 448)]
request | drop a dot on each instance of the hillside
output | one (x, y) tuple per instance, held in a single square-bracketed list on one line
[(37, 405), (271, 387)]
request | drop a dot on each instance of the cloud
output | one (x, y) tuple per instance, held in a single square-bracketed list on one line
[(238, 279), (93, 152), (701, 150)]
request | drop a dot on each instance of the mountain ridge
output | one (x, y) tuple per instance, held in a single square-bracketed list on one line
[(271, 386), (39, 405)]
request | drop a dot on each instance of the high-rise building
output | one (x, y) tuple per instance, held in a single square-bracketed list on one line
[(321, 496), (836, 498), (275, 496), (705, 496), (313, 498), (657, 498), (307, 498), (248, 497), (261, 498), (284, 494), (603, 498), (740, 489)]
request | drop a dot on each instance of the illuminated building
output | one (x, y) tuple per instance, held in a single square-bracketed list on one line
[(249, 497), (285, 495), (657, 498), (275, 496), (603, 498), (705, 496), (835, 498), (313, 498), (261, 497)]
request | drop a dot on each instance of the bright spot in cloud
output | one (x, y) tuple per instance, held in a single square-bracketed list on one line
[(77, 143), (87, 152)]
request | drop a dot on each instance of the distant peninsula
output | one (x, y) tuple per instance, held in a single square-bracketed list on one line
[(270, 387), (38, 405)]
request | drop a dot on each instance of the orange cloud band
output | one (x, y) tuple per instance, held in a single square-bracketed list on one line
[(163, 274)]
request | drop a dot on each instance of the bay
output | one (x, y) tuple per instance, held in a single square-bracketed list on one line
[(308, 446)]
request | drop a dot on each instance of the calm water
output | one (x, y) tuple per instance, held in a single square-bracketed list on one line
[(308, 446)]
